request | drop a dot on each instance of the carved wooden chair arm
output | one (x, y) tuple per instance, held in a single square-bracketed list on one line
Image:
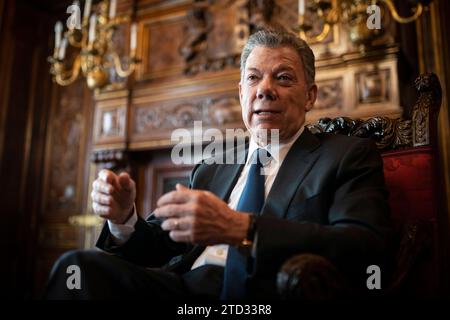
[(310, 277), (313, 277)]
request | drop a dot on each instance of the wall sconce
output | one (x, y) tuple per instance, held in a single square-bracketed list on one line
[(94, 40), (355, 14)]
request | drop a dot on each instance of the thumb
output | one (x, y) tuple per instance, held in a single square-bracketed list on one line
[(125, 181), (180, 187)]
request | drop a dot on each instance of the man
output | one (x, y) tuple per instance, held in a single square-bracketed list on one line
[(228, 234)]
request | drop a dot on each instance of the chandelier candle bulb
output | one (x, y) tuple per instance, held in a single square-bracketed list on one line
[(133, 37), (62, 50), (112, 9), (58, 31), (87, 10), (301, 7), (92, 25)]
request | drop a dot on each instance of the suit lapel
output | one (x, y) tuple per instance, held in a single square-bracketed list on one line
[(297, 164), (226, 176)]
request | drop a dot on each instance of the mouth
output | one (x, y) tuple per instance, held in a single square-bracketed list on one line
[(266, 112)]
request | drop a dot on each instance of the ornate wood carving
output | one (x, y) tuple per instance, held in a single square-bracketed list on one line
[(110, 159), (394, 133), (388, 133), (110, 121), (426, 109), (310, 277), (373, 86), (160, 55), (217, 31), (329, 94), (218, 111), (66, 146)]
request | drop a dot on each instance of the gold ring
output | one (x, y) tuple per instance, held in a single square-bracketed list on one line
[(176, 223)]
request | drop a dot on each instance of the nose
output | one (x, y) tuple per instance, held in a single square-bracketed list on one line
[(265, 90)]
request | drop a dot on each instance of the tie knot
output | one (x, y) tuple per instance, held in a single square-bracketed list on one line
[(262, 156)]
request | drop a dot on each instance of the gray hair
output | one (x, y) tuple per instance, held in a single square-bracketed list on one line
[(277, 39)]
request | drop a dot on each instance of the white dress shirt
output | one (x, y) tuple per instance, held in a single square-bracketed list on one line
[(217, 254)]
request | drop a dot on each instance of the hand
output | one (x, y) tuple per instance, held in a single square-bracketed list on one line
[(113, 196), (200, 217)]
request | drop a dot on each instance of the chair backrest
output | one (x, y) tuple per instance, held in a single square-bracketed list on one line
[(408, 148)]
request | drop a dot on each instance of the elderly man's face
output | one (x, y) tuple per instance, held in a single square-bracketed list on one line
[(273, 92)]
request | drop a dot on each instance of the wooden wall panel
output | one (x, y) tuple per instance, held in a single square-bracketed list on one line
[(24, 108), (160, 47)]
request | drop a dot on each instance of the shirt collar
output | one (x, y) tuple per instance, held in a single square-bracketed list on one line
[(277, 151)]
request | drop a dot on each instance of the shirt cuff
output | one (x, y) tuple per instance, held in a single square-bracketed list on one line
[(121, 233)]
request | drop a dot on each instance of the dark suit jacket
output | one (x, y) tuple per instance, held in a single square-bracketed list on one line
[(328, 198)]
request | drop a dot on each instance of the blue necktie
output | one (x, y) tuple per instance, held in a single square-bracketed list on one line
[(251, 200)]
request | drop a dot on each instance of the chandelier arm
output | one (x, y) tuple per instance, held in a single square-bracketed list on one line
[(398, 18), (320, 37), (118, 66), (325, 31), (64, 81), (74, 43)]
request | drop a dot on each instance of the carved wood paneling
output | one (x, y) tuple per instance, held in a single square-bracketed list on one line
[(330, 94), (212, 112), (160, 45), (155, 121), (110, 123), (66, 151), (373, 86)]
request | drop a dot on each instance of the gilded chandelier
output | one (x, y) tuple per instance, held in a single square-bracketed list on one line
[(93, 41)]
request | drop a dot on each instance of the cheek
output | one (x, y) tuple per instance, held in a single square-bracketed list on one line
[(246, 106), (296, 110)]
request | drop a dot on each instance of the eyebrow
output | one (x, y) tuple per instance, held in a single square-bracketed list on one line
[(282, 67), (253, 69)]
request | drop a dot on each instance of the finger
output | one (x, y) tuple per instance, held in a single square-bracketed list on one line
[(101, 198), (174, 197), (103, 187), (101, 210), (181, 187), (181, 235), (107, 176), (125, 181), (171, 224), (176, 224), (172, 211)]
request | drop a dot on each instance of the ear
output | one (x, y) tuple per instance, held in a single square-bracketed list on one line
[(312, 96)]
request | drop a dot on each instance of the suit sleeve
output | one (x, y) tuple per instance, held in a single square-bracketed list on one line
[(149, 245), (358, 231)]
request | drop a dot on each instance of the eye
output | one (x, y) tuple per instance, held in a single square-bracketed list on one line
[(251, 77), (284, 77)]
